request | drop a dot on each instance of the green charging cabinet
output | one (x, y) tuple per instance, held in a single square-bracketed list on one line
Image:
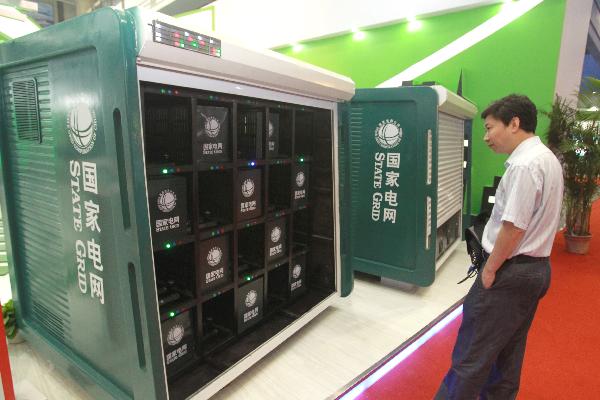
[(95, 111), (402, 190)]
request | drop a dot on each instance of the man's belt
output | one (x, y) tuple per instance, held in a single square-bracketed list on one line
[(520, 259)]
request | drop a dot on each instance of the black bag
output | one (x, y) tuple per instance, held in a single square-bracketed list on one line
[(475, 250)]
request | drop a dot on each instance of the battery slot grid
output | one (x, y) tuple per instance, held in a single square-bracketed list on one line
[(257, 250)]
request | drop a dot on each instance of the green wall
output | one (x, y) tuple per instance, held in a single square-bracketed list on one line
[(522, 57)]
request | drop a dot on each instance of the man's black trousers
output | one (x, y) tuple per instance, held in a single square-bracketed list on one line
[(489, 349)]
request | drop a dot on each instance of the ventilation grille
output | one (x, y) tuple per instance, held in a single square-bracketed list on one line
[(27, 113), (450, 167), (354, 159), (3, 260), (38, 228)]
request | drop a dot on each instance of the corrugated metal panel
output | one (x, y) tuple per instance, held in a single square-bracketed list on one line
[(32, 175), (450, 167)]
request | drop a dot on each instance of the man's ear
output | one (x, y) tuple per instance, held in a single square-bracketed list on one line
[(515, 124)]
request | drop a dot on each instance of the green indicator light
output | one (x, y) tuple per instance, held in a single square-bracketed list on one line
[(172, 314), (168, 245), (301, 159), (165, 171), (163, 91), (248, 277)]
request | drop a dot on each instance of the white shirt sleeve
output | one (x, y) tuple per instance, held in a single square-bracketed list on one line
[(523, 196)]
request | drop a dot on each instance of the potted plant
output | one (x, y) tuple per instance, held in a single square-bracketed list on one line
[(10, 320), (574, 136)]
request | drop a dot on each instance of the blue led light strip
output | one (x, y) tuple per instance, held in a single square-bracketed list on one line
[(383, 369)]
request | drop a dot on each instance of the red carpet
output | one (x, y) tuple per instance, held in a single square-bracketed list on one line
[(562, 360)]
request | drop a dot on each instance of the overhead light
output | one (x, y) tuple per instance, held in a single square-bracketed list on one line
[(413, 23), (358, 35)]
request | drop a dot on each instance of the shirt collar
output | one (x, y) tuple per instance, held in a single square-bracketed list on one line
[(522, 149)]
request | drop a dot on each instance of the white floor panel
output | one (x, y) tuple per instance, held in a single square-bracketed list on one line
[(341, 343)]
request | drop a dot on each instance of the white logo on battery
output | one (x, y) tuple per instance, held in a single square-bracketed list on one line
[(251, 298), (297, 271), (276, 234), (175, 334), (214, 256), (248, 187), (300, 179), (212, 126), (167, 200)]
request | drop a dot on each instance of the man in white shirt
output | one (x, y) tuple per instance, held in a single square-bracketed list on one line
[(518, 238)]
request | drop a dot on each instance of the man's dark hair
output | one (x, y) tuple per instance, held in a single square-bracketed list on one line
[(511, 106)]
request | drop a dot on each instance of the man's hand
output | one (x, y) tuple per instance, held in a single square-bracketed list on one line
[(506, 242), (487, 277)]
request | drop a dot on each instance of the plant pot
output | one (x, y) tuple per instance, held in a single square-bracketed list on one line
[(577, 244), (18, 338)]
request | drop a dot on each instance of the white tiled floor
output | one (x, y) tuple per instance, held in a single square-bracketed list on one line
[(334, 348)]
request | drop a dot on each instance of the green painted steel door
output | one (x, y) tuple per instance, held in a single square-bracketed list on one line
[(390, 183), (75, 206)]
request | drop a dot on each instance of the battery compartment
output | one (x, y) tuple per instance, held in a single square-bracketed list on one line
[(215, 198), (251, 132), (245, 275), (167, 127), (279, 133), (279, 187)]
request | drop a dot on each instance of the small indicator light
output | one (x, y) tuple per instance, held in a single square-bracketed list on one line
[(165, 171), (168, 245), (171, 314)]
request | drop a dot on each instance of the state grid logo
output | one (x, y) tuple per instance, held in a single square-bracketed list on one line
[(276, 234), (167, 200), (300, 179), (251, 298), (214, 256), (248, 187), (271, 129), (175, 334), (212, 126), (388, 134), (297, 271), (82, 127)]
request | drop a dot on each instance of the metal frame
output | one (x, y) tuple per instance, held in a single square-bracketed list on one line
[(176, 78)]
